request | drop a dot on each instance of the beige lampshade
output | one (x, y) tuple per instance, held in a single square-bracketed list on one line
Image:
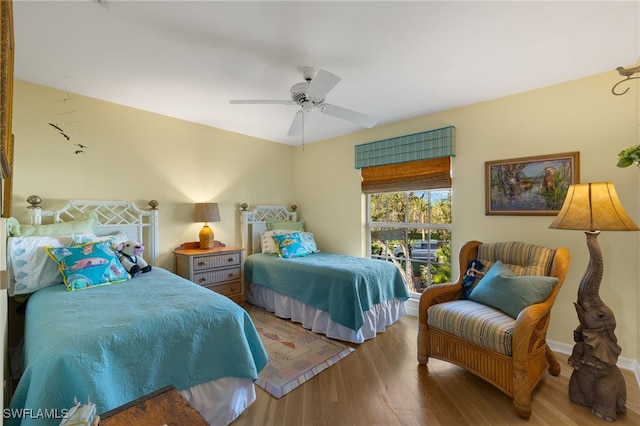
[(593, 207), (206, 212)]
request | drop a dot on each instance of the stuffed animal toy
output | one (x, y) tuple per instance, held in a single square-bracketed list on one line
[(473, 267), (130, 253)]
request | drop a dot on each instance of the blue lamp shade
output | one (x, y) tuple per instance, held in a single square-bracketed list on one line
[(206, 212)]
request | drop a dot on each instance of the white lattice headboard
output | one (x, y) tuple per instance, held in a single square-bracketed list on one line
[(254, 222), (113, 216)]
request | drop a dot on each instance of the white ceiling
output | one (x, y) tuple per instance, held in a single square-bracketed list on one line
[(397, 60)]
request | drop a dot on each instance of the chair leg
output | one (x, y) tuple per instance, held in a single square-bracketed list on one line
[(521, 394), (423, 346), (554, 365)]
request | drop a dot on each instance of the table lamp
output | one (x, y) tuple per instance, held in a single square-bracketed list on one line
[(206, 212), (596, 381)]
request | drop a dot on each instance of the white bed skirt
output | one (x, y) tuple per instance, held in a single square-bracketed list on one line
[(376, 319), (221, 401)]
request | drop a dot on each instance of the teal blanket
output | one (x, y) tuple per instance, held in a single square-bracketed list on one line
[(343, 286), (119, 342)]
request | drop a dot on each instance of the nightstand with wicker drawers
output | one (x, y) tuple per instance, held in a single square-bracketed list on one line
[(218, 269)]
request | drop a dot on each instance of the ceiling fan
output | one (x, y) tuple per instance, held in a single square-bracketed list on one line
[(310, 94)]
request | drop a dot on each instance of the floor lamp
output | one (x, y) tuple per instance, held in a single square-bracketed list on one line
[(596, 381)]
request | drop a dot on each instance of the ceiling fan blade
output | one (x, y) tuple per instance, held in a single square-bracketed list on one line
[(260, 101), (297, 125), (349, 115), (321, 84)]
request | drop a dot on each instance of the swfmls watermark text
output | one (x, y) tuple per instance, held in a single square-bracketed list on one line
[(30, 413)]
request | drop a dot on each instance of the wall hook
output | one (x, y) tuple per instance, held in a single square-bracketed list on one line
[(628, 73)]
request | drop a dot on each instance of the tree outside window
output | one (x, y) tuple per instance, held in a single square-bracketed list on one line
[(412, 229)]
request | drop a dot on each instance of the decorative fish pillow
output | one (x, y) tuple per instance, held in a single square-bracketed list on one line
[(88, 265)]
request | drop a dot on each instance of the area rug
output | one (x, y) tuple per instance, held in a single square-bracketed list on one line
[(295, 354)]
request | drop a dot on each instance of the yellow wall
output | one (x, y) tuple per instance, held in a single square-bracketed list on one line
[(581, 115), (138, 155)]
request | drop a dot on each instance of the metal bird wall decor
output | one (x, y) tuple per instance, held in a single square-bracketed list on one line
[(628, 73), (67, 113), (55, 126), (80, 146)]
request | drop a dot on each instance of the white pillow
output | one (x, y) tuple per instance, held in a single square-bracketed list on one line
[(308, 242), (115, 238), (29, 266), (267, 245)]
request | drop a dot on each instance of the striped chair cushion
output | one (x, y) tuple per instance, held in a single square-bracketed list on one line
[(475, 322), (521, 258)]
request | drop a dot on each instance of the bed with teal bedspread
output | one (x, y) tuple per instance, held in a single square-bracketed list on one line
[(343, 286), (118, 342)]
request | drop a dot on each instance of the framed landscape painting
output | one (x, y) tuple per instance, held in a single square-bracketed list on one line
[(530, 185)]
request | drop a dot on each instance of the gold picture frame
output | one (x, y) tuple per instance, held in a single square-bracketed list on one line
[(534, 186), (6, 104)]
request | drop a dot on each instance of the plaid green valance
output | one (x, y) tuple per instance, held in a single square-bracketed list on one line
[(418, 146)]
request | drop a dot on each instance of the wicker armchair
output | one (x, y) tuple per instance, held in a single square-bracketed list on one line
[(523, 356)]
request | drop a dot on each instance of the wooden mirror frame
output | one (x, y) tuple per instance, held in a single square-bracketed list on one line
[(6, 103)]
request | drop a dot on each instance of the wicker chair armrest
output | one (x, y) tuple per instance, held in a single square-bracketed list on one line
[(439, 293), (531, 325), (435, 294)]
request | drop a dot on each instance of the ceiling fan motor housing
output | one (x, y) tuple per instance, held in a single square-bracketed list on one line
[(299, 93)]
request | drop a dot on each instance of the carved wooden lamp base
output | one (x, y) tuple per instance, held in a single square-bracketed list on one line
[(596, 381)]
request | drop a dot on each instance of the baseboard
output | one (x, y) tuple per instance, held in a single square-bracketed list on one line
[(412, 306), (562, 348)]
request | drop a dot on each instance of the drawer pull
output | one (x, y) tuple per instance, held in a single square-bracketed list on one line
[(203, 280), (201, 263), (230, 259)]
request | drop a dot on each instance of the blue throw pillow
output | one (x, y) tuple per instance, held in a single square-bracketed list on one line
[(502, 289), (290, 245), (88, 265)]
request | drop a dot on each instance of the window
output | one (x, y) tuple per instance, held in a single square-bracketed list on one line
[(407, 180), (412, 229)]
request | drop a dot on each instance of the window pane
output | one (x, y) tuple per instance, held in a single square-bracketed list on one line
[(385, 240), (418, 207), (388, 207), (441, 210), (378, 208), (412, 229)]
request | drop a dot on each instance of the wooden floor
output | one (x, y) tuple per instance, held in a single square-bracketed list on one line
[(381, 383)]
